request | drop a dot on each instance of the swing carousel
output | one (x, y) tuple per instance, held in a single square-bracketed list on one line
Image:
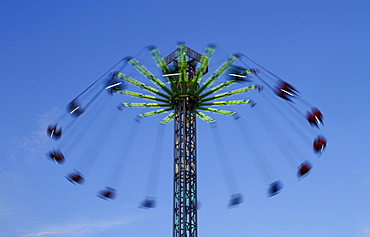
[(182, 89)]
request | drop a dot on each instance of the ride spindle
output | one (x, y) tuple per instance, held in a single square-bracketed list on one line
[(185, 175)]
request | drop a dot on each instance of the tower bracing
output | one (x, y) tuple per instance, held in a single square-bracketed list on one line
[(185, 175)]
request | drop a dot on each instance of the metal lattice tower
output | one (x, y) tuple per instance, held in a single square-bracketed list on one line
[(185, 173), (185, 179)]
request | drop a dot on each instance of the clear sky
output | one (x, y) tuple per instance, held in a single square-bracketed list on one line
[(50, 51)]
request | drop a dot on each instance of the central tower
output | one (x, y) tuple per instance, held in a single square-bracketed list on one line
[(185, 172), (185, 159)]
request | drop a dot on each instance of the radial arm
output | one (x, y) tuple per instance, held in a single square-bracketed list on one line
[(160, 62), (141, 85), (139, 95), (168, 118), (149, 75), (218, 73), (183, 76), (152, 113), (202, 66), (205, 117), (217, 111), (232, 102), (217, 88), (141, 105), (234, 92)]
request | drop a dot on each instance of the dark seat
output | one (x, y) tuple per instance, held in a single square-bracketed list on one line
[(53, 132), (75, 177), (57, 156), (148, 203), (274, 188), (319, 144), (107, 193), (74, 108), (304, 169), (235, 200)]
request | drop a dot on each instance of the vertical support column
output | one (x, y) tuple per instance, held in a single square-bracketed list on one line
[(185, 175)]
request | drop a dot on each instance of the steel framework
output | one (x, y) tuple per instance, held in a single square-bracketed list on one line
[(185, 179)]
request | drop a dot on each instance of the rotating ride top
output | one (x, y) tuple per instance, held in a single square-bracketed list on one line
[(184, 95)]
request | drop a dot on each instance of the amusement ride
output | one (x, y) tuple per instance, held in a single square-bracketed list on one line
[(183, 89)]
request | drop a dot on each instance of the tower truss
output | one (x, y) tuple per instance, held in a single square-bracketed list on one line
[(185, 175)]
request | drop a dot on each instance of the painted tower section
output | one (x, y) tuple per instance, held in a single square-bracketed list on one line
[(185, 175)]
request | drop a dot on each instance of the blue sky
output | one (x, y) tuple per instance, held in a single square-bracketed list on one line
[(50, 51)]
